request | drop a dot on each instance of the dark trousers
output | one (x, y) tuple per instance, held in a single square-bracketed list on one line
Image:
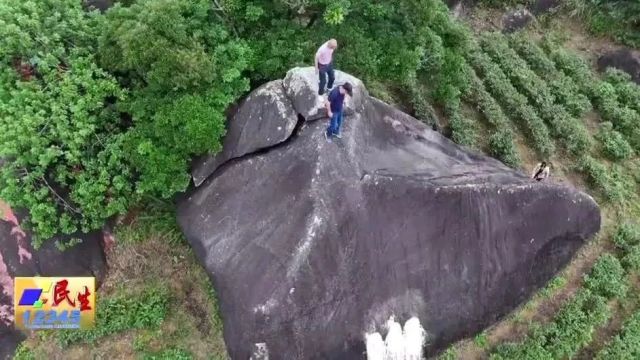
[(323, 71), (336, 122)]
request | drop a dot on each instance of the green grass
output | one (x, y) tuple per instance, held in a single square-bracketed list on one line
[(156, 302), (480, 340), (147, 309)]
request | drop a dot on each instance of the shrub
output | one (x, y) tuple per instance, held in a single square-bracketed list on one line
[(562, 87), (613, 143), (604, 95), (500, 87), (501, 144), (571, 329), (628, 92), (60, 136), (631, 258), (626, 345), (614, 18), (607, 278), (464, 131), (627, 235), (613, 183), (627, 239), (570, 131), (82, 146)]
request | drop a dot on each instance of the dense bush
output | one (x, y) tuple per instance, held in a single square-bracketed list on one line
[(627, 240), (573, 326), (613, 143), (562, 87), (625, 345), (463, 130), (75, 159), (101, 111), (607, 278), (513, 102), (501, 141), (616, 18), (571, 329), (612, 182), (572, 65), (604, 95), (61, 137), (628, 92), (569, 130)]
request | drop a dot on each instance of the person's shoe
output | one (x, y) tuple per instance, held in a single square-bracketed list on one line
[(339, 136)]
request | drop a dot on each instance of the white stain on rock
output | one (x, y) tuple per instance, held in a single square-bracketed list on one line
[(304, 247), (400, 343)]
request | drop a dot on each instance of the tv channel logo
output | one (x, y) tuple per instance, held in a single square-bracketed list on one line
[(54, 303)]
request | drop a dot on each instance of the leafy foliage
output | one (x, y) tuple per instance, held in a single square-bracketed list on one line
[(625, 345), (627, 239), (561, 86), (59, 132), (607, 278), (569, 130), (613, 143), (500, 87), (573, 326), (170, 354), (613, 183), (501, 144), (617, 18), (185, 70), (464, 131), (113, 105), (604, 95)]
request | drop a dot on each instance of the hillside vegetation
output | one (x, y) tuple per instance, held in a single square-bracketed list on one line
[(101, 114)]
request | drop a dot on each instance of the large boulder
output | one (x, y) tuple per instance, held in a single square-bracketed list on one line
[(256, 124), (268, 116), (19, 258), (313, 246), (626, 60), (301, 85)]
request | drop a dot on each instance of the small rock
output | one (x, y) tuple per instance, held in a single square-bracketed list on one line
[(516, 20), (626, 60)]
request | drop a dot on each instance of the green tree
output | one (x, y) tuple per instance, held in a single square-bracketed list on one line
[(60, 133)]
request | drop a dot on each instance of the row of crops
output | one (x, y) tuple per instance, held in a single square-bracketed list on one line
[(544, 92), (565, 112), (574, 326)]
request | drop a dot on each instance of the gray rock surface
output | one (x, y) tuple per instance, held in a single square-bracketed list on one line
[(256, 124), (301, 85), (311, 245), (626, 60), (539, 7), (19, 258), (516, 20)]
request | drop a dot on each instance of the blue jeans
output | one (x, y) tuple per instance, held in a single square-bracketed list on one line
[(336, 122), (323, 71)]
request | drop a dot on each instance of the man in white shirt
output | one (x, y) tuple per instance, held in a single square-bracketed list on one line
[(324, 65)]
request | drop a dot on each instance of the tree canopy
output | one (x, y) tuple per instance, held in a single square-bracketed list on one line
[(101, 111)]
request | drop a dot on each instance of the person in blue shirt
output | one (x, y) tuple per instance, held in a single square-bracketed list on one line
[(334, 105)]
